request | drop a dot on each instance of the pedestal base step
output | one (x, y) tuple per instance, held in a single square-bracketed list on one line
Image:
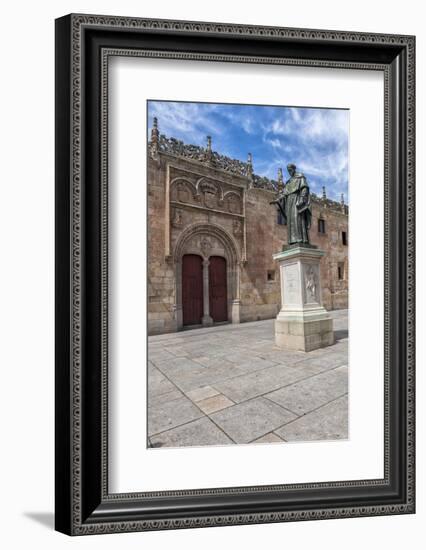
[(304, 335)]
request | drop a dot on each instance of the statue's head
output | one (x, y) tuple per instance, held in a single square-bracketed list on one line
[(291, 168)]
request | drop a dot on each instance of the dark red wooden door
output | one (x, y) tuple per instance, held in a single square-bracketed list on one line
[(217, 289), (192, 289)]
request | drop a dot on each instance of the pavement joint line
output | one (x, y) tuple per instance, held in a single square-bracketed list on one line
[(147, 398), (312, 411), (217, 426), (265, 393), (281, 387), (265, 396), (193, 420), (267, 433), (160, 395), (262, 369), (237, 364), (174, 427)]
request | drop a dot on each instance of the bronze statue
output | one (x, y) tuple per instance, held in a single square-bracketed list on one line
[(294, 203)]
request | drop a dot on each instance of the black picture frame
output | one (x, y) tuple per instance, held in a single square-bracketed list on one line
[(83, 504)]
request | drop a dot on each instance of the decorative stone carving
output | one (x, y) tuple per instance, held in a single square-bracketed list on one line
[(311, 284), (210, 200), (264, 183), (178, 148), (205, 246), (207, 187), (177, 219), (159, 143), (233, 203), (237, 228), (153, 144), (183, 193)]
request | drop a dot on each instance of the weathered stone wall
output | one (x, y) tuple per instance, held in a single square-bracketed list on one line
[(231, 202), (335, 291), (260, 298), (161, 294)]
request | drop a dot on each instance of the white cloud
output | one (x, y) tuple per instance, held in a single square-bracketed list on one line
[(241, 120), (310, 124), (316, 140), (183, 119)]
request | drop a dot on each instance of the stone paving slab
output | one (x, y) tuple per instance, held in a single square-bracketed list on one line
[(269, 438), (158, 383), (251, 385), (202, 393), (159, 399), (198, 433), (207, 377), (278, 356), (170, 414), (251, 419), (311, 393), (329, 361), (328, 422), (215, 403), (231, 384)]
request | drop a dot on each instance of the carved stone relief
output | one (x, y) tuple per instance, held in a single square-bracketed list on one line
[(183, 193), (207, 193), (234, 205), (311, 284), (237, 228), (210, 200), (205, 246), (177, 217)]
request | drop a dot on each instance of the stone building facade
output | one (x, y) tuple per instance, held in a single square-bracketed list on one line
[(212, 233)]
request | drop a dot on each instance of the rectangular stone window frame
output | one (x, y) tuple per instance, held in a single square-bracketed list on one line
[(341, 271), (344, 238), (321, 226)]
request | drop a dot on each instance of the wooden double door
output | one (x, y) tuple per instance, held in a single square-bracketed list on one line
[(194, 293)]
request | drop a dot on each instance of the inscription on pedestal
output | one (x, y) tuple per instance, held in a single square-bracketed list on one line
[(291, 284)]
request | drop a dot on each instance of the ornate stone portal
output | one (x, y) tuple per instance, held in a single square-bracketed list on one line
[(207, 241), (302, 323)]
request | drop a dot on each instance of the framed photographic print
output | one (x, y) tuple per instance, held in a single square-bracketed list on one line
[(234, 274)]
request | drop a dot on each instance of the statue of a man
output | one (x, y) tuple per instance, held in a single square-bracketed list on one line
[(294, 203)]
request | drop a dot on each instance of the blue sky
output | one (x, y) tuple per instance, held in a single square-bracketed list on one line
[(316, 140)]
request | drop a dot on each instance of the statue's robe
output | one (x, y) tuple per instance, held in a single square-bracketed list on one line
[(295, 205)]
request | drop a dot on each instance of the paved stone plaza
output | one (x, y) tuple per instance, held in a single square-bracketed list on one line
[(231, 384)]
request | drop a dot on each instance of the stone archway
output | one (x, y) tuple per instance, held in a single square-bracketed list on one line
[(208, 240)]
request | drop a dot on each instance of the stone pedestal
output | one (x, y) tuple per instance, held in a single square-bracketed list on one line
[(302, 323)]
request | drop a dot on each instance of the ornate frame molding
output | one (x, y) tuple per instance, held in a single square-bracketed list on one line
[(83, 504)]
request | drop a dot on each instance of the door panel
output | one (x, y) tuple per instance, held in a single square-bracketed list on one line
[(217, 289), (192, 289)]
